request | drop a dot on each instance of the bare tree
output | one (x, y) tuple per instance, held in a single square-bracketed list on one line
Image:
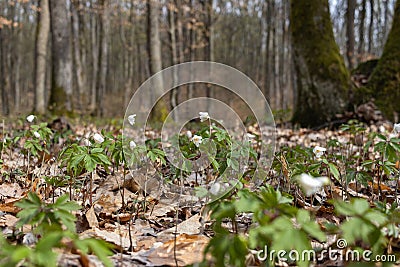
[(104, 42), (351, 8), (61, 88), (78, 66), (154, 51), (42, 37)]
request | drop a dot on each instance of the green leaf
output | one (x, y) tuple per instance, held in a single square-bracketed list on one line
[(335, 172)]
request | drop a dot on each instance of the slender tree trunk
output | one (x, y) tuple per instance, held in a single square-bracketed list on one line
[(268, 66), (61, 89), (282, 57), (361, 31), (95, 61), (79, 72), (371, 26), (174, 57), (351, 7), (154, 50), (104, 44), (3, 86), (42, 37)]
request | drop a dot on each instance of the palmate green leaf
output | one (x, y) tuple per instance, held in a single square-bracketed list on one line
[(99, 247), (76, 160), (247, 202), (61, 201), (90, 163), (286, 237), (104, 159), (96, 150), (233, 163), (381, 136), (334, 170), (17, 255), (31, 202), (309, 226), (224, 210), (12, 255), (70, 206), (43, 254), (355, 229), (66, 218)]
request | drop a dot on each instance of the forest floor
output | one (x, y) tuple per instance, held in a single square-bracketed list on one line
[(150, 224)]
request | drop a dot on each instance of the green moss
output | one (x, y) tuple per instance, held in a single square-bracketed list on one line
[(323, 80), (385, 79), (313, 34), (366, 68), (58, 98)]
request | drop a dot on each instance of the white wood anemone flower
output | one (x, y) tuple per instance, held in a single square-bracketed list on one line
[(196, 139), (132, 144), (250, 136), (310, 184), (189, 134), (86, 142), (204, 116), (132, 119), (30, 118), (98, 138), (396, 127), (215, 188), (319, 151), (36, 134)]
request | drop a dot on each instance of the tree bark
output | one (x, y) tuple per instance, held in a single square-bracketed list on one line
[(79, 72), (371, 26), (361, 31), (42, 37), (160, 110), (104, 40), (94, 40), (385, 79), (61, 88), (351, 8), (322, 79), (172, 9)]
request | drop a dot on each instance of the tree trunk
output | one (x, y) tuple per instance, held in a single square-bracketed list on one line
[(385, 79), (172, 9), (371, 26), (3, 86), (79, 73), (42, 36), (160, 110), (361, 31), (322, 79), (61, 88), (94, 40), (104, 40), (351, 8)]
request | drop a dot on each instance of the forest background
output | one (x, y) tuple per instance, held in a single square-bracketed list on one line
[(89, 56)]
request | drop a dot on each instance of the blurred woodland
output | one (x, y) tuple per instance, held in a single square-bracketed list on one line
[(89, 56)]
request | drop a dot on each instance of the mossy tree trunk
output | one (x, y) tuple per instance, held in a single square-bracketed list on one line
[(322, 79), (385, 79), (61, 86)]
